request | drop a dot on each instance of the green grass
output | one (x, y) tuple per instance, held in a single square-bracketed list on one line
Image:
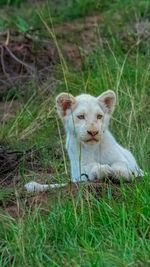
[(113, 227), (22, 18), (83, 232)]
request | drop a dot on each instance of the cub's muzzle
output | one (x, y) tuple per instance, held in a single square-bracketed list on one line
[(92, 133)]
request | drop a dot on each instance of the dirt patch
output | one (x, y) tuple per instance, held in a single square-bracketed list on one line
[(14, 211), (21, 61), (19, 208), (11, 160), (78, 37), (25, 56)]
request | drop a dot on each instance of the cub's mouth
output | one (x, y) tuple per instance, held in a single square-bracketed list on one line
[(91, 140)]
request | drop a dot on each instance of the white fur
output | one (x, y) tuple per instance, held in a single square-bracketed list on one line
[(96, 159), (93, 156), (36, 187)]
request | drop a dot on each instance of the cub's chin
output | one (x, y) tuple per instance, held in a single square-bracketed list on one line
[(91, 141)]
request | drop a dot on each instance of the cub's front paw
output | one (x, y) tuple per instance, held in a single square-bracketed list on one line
[(105, 170), (100, 171)]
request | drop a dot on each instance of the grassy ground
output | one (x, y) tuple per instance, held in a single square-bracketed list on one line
[(106, 227)]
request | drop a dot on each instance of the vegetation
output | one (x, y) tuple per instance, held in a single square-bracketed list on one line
[(109, 227)]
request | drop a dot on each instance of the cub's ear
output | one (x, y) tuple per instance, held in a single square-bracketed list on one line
[(107, 100), (65, 101)]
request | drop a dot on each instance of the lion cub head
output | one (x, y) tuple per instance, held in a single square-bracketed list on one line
[(86, 116)]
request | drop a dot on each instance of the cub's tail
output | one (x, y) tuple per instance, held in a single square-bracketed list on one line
[(36, 187)]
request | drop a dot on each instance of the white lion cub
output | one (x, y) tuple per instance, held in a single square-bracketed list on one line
[(93, 151)]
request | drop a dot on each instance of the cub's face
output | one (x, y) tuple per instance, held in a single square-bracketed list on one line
[(86, 116), (88, 119)]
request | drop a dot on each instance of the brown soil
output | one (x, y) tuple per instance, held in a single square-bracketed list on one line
[(79, 37), (20, 62), (25, 56), (10, 161)]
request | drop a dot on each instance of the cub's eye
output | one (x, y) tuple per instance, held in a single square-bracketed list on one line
[(99, 116), (81, 117)]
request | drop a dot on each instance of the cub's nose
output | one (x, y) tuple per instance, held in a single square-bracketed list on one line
[(92, 133)]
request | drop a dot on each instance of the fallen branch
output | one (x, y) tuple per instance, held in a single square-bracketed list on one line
[(3, 64), (28, 67)]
